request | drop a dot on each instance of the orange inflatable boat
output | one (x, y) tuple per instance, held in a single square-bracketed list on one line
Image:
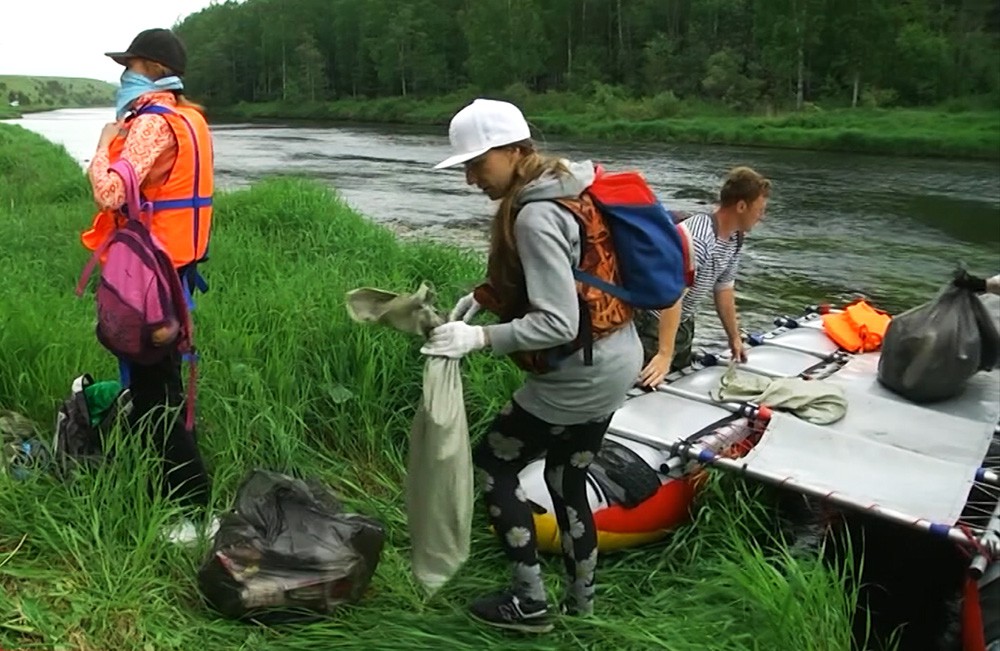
[(638, 493)]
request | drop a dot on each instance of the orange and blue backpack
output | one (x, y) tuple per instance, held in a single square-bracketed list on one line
[(632, 256)]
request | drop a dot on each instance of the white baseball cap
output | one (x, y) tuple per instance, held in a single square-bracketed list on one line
[(481, 126)]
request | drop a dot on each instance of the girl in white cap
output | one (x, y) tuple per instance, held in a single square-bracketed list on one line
[(580, 349)]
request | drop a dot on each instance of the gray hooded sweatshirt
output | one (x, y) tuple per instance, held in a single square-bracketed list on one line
[(548, 242)]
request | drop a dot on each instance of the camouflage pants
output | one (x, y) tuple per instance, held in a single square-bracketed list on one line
[(649, 332)]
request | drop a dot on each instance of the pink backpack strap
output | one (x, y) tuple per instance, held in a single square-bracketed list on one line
[(192, 392), (134, 210), (88, 269)]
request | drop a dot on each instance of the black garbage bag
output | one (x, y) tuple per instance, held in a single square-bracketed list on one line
[(931, 351), (288, 552)]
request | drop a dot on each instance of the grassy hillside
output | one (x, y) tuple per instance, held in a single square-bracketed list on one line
[(47, 93)]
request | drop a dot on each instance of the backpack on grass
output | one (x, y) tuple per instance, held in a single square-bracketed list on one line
[(84, 418)]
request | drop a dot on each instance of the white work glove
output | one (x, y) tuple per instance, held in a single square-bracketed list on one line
[(466, 309), (454, 339)]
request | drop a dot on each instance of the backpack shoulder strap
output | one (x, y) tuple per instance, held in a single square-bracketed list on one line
[(124, 169), (156, 109), (133, 210), (678, 216)]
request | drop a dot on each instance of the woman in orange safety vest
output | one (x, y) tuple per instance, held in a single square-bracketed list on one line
[(168, 143)]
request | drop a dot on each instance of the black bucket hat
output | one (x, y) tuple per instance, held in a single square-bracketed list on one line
[(159, 45)]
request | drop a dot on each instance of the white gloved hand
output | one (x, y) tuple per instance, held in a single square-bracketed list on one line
[(454, 339), (466, 308)]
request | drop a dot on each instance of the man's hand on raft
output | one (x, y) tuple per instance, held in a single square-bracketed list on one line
[(738, 350)]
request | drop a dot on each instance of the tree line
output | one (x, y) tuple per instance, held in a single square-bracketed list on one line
[(746, 54)]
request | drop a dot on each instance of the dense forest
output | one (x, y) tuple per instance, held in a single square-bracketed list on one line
[(750, 55)]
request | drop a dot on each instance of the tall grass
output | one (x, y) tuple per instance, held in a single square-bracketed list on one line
[(290, 384)]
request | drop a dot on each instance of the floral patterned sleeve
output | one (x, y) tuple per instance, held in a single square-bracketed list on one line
[(148, 138)]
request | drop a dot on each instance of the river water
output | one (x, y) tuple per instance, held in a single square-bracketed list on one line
[(837, 224)]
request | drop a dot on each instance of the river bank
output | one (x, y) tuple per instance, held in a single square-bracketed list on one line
[(11, 113), (24, 94), (953, 131), (309, 391)]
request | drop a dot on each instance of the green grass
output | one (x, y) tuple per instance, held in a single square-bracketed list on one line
[(953, 131), (48, 93), (289, 383)]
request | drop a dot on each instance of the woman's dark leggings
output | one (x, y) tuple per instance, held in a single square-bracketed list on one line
[(515, 439), (154, 387)]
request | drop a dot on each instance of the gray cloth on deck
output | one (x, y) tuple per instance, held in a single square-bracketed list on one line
[(814, 401), (439, 491)]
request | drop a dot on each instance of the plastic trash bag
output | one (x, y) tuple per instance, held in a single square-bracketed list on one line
[(288, 552), (21, 450), (932, 350)]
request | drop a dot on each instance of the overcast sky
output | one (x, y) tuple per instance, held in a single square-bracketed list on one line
[(68, 39)]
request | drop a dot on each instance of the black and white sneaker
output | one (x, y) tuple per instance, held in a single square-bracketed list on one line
[(507, 610), (570, 608)]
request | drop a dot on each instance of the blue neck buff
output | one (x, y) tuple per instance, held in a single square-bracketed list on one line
[(135, 84)]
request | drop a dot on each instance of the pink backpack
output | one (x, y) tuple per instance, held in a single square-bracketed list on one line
[(142, 310)]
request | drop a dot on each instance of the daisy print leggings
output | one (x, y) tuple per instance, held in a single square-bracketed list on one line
[(515, 439)]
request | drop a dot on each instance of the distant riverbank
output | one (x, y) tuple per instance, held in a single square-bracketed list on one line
[(972, 134), (21, 94)]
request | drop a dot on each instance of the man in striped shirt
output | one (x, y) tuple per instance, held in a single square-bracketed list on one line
[(716, 243)]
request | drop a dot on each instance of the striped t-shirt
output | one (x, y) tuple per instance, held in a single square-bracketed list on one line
[(715, 261)]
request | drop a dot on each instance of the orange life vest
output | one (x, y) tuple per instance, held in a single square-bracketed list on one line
[(859, 328), (600, 312), (182, 201)]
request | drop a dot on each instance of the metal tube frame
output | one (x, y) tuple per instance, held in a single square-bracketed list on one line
[(955, 534), (987, 539)]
